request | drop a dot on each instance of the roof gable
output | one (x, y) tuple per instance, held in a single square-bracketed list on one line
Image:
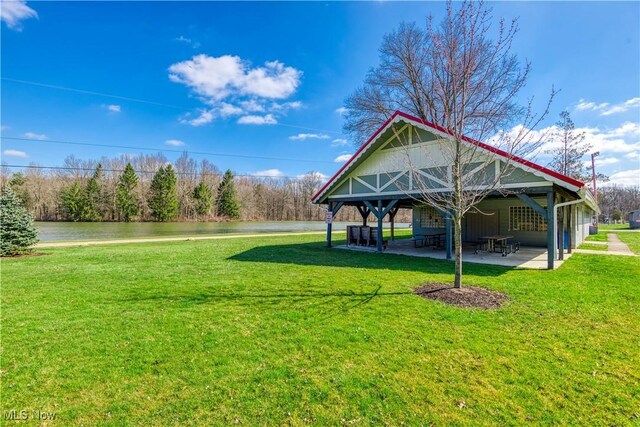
[(379, 138)]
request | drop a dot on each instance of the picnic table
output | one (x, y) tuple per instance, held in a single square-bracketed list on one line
[(501, 241), (428, 239)]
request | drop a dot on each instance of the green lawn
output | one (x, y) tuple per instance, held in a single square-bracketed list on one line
[(283, 331), (600, 237), (623, 226), (594, 247), (632, 239)]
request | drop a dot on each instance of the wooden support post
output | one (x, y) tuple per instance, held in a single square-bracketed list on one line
[(391, 221), (448, 236), (379, 237), (560, 231), (551, 231), (392, 218), (532, 204), (330, 209), (364, 213), (569, 227)]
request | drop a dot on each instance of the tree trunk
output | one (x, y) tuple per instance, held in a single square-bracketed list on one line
[(457, 214), (457, 229)]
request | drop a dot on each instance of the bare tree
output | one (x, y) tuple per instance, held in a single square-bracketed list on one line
[(613, 197), (567, 156), (455, 77)]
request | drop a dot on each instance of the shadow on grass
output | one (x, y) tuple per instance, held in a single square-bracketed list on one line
[(328, 303), (286, 296), (317, 254)]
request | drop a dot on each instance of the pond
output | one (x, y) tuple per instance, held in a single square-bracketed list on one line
[(69, 231)]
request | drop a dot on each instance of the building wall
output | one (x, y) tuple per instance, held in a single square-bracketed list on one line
[(583, 221), (500, 208)]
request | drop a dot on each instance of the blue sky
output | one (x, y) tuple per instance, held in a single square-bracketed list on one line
[(268, 79)]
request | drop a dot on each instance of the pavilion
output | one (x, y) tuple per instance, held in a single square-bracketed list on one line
[(537, 206)]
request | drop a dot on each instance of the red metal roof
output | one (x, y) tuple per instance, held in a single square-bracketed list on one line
[(487, 147)]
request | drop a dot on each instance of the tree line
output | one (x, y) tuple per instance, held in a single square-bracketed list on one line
[(147, 187)]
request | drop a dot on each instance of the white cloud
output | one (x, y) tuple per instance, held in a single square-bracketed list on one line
[(320, 176), (339, 142), (621, 108), (628, 177), (14, 12), (293, 105), (606, 161), (583, 105), (634, 155), (209, 76), (188, 41), (205, 116), (342, 158), (257, 120), (3, 128), (342, 110), (613, 141), (229, 86), (217, 78), (38, 136), (114, 108), (303, 136), (252, 106), (175, 143), (274, 80), (607, 109), (601, 161), (271, 173), (629, 129), (227, 110), (284, 107), (14, 153)]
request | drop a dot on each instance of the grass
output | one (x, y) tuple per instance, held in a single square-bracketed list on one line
[(594, 247), (632, 240), (285, 331), (600, 237), (623, 226)]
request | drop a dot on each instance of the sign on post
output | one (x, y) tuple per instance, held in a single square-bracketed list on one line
[(328, 218)]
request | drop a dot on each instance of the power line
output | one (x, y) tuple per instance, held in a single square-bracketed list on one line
[(90, 92), (143, 101), (164, 150), (72, 168)]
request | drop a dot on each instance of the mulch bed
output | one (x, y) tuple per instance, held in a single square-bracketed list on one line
[(466, 296)]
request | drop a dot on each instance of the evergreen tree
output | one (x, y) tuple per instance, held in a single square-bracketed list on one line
[(73, 202), (163, 201), (126, 200), (568, 157), (202, 197), (93, 192), (17, 232), (20, 188), (227, 203)]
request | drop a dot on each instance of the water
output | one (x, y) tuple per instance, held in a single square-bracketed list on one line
[(69, 231)]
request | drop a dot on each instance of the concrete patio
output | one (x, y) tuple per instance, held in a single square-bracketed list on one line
[(527, 257)]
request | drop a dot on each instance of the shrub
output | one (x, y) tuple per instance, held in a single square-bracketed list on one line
[(17, 233)]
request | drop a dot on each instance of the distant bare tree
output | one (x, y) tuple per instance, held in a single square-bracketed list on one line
[(453, 75), (623, 198), (568, 155), (187, 172), (260, 198)]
